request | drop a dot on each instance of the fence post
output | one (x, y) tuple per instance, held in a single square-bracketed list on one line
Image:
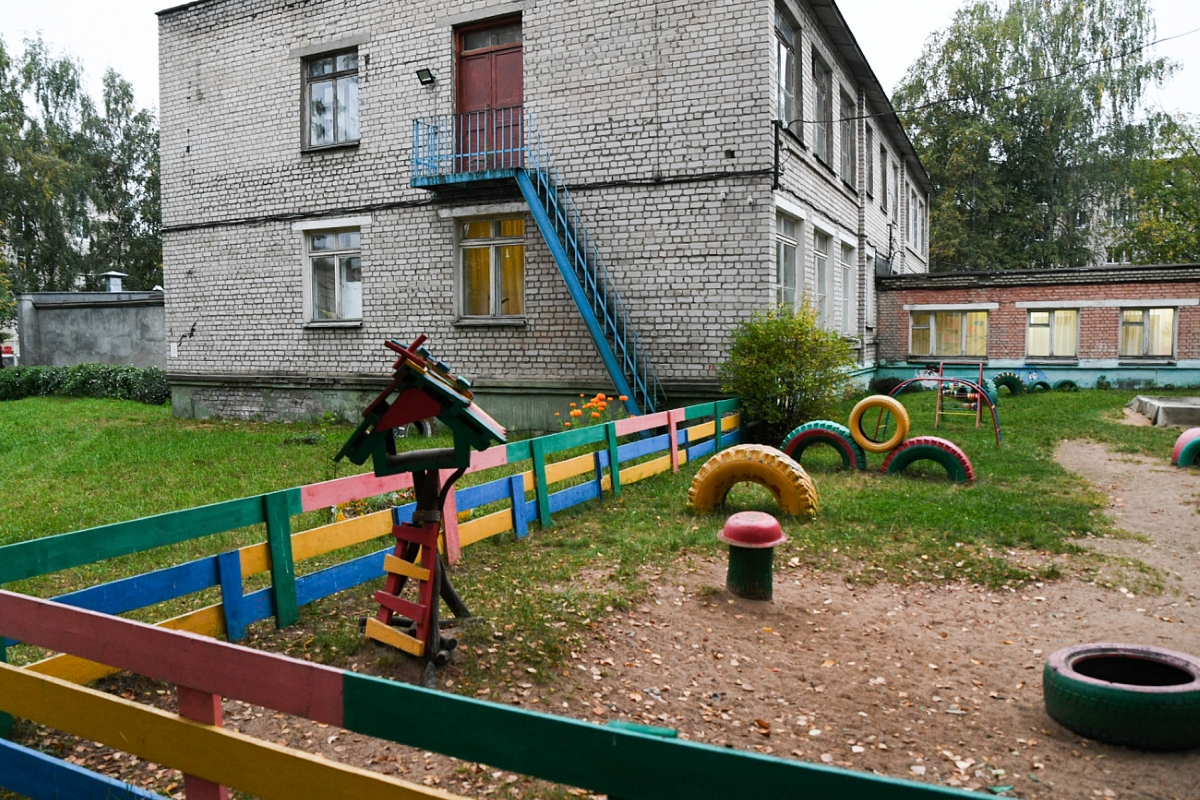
[(539, 478), (283, 570), (206, 708), (614, 458), (450, 521), (516, 488), (229, 570), (6, 720), (673, 432), (717, 427)]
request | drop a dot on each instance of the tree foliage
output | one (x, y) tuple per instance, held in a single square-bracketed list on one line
[(78, 183), (1155, 221), (786, 369), (1027, 117)]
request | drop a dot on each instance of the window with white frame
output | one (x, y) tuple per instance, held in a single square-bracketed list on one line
[(870, 156), (788, 102), (823, 124), (883, 178), (912, 218), (849, 142), (869, 283), (1147, 332), (948, 333), (821, 263), (492, 260), (922, 227), (849, 324), (331, 99), (787, 248), (334, 265), (894, 200), (1052, 333)]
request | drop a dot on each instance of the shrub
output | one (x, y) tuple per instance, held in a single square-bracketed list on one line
[(142, 384), (786, 369)]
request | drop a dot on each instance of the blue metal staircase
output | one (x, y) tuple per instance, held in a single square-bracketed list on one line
[(440, 158)]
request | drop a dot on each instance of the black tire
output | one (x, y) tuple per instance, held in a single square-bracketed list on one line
[(1134, 695), (422, 427), (1039, 386), (1066, 386), (1011, 381)]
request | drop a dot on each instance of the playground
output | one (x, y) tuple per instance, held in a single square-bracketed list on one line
[(909, 625)]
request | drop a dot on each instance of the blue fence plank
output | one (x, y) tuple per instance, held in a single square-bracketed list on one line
[(340, 577), (481, 495), (520, 514), (233, 602), (702, 449), (403, 513), (574, 496), (140, 591), (41, 777), (644, 447)]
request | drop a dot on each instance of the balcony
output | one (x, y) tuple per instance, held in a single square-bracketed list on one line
[(470, 147)]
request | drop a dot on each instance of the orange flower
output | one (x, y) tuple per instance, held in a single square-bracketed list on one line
[(556, 414), (577, 413), (595, 415), (602, 396), (623, 398), (602, 406), (572, 405), (581, 394), (566, 424)]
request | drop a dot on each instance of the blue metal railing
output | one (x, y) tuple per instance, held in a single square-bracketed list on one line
[(507, 139)]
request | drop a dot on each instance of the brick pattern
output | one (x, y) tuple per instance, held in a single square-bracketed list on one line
[(621, 91), (1099, 328)]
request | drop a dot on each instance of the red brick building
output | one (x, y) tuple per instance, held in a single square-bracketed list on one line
[(1124, 325)]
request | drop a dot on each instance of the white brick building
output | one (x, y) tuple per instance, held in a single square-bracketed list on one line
[(301, 228)]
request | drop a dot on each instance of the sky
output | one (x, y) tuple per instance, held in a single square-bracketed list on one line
[(123, 34)]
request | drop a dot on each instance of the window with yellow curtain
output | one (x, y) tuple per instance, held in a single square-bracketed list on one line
[(493, 267), (948, 333), (1052, 333), (1148, 332)]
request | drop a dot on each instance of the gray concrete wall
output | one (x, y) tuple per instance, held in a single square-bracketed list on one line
[(64, 328)]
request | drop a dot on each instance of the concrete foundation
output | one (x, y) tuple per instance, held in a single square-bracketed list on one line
[(1168, 412)]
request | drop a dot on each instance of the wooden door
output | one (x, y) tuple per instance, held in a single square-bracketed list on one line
[(490, 94)]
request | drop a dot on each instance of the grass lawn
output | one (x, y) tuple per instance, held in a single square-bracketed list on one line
[(70, 464)]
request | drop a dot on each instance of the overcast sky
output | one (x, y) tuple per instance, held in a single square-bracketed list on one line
[(123, 34)]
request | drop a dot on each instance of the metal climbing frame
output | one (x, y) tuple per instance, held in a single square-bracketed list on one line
[(959, 392)]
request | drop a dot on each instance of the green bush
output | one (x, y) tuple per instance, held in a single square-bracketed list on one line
[(786, 369), (142, 384)]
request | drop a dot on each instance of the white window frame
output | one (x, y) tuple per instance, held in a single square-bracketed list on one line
[(883, 179), (493, 244), (346, 301), (823, 100), (869, 153), (895, 198), (789, 101), (346, 78), (849, 323), (1050, 323), (933, 337), (849, 140), (1146, 354), (785, 295), (822, 277)]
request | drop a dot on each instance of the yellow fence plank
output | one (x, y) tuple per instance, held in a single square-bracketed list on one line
[(225, 757), (700, 431), (207, 621), (479, 529), (731, 422), (646, 469), (318, 541), (562, 470)]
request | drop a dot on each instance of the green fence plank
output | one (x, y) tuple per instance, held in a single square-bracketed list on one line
[(732, 404), (518, 451), (539, 476), (603, 760), (53, 553), (552, 443), (283, 569), (614, 464)]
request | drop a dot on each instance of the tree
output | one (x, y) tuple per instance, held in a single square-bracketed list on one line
[(79, 189), (1026, 117), (1155, 220), (786, 369)]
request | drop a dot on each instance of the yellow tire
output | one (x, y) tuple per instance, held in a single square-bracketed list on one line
[(754, 463), (884, 405)]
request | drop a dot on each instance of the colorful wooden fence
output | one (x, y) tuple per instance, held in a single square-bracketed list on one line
[(610, 760)]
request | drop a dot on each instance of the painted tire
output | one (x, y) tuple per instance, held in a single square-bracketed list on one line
[(1066, 386), (1011, 380), (1187, 448), (884, 404), (931, 448), (1039, 386), (754, 463), (1134, 695), (825, 431)]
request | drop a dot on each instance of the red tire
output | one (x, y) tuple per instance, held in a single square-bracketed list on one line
[(1185, 442), (931, 448)]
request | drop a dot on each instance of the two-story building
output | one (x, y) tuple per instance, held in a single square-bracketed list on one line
[(565, 197)]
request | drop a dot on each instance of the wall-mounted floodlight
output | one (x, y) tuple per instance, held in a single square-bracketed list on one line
[(426, 77)]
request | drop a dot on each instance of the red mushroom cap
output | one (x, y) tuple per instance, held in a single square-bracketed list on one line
[(752, 529)]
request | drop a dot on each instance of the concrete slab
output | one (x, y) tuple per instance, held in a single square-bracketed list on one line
[(1168, 412)]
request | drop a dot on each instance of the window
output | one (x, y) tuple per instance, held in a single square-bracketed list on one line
[(948, 333), (331, 99), (912, 217), (787, 77), (823, 87), (922, 227), (869, 283), (493, 267), (849, 142), (335, 275), (787, 241), (821, 258), (1147, 332), (883, 179), (849, 328), (870, 154), (894, 201), (1053, 334)]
